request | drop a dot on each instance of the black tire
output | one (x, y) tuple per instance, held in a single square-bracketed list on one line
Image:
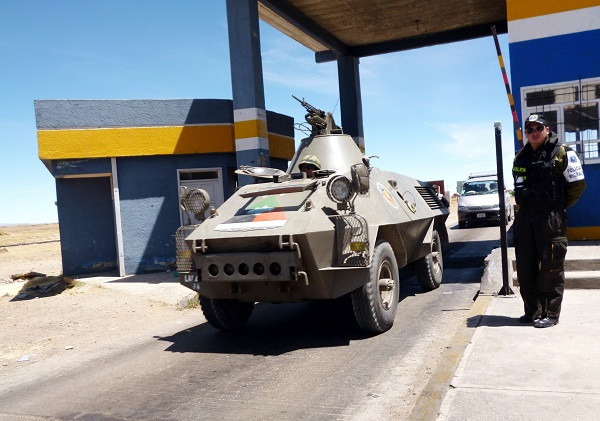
[(429, 269), (375, 303), (226, 314), (462, 224)]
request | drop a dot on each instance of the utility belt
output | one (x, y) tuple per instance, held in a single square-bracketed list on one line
[(548, 196)]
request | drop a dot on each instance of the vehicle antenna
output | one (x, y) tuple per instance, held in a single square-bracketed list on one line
[(336, 104)]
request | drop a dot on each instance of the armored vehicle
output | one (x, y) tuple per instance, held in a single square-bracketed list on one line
[(345, 228)]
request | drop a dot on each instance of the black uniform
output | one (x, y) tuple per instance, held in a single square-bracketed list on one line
[(547, 181)]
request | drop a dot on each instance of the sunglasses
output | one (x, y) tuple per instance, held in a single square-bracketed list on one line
[(530, 130)]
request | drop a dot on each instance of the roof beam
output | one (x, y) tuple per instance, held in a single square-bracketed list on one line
[(461, 34), (292, 15)]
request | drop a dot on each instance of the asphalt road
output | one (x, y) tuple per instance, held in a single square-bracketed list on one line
[(294, 361)]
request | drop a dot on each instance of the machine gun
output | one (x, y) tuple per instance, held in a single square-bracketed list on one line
[(320, 121)]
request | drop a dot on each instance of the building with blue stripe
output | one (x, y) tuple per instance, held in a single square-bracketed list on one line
[(555, 70)]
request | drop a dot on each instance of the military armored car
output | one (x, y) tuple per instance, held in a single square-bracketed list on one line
[(346, 228)]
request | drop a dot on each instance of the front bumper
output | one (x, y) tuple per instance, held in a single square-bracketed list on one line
[(486, 215)]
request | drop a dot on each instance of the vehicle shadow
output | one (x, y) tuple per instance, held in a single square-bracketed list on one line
[(276, 329)]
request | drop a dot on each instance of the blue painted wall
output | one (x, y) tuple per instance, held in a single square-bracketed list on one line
[(75, 167), (585, 212), (148, 188), (553, 60)]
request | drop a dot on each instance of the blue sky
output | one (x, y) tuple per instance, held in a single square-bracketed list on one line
[(428, 113)]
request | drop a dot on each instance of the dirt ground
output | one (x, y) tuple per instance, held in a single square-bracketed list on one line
[(29, 248), (75, 320)]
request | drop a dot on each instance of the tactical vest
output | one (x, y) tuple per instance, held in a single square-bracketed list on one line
[(539, 184)]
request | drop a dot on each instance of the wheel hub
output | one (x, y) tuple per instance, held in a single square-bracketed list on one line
[(386, 285)]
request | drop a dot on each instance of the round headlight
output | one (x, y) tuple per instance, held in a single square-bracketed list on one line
[(196, 201), (339, 189)]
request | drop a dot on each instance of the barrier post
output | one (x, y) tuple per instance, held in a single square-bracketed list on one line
[(506, 289)]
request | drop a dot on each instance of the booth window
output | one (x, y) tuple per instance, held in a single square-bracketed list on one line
[(572, 111)]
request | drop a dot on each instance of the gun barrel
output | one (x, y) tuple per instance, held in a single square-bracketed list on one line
[(309, 107)]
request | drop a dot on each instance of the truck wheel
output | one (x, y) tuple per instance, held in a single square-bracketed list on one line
[(429, 269), (226, 314), (375, 303)]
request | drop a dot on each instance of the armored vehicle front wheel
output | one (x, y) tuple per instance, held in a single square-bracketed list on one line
[(430, 268), (375, 303), (226, 314)]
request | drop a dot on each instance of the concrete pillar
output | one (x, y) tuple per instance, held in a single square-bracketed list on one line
[(350, 100), (249, 115)]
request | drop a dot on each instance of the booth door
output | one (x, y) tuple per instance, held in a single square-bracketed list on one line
[(86, 224)]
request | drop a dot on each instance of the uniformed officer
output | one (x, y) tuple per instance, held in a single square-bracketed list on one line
[(548, 178)]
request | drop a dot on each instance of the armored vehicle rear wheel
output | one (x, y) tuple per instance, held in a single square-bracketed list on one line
[(430, 268), (226, 314), (375, 303)]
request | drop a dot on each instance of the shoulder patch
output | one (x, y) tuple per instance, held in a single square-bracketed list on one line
[(573, 172)]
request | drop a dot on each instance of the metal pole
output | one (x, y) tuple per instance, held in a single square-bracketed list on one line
[(511, 101), (506, 289)]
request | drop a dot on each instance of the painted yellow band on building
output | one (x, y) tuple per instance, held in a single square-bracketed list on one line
[(250, 128), (281, 146), (147, 141), (134, 141), (583, 233), (519, 9)]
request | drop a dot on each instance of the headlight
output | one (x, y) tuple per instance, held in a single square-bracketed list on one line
[(339, 189), (463, 208), (195, 201)]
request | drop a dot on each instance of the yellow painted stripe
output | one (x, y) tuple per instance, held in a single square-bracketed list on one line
[(250, 128), (519, 9), (281, 146), (583, 233), (144, 141), (134, 141)]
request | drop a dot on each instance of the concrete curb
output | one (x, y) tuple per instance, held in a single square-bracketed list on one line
[(430, 400), (491, 281)]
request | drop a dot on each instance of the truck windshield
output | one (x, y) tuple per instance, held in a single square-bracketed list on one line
[(472, 188)]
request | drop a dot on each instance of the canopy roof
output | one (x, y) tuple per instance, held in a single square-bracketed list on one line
[(368, 27)]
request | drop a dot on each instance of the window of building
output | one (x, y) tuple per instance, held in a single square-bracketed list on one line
[(571, 109)]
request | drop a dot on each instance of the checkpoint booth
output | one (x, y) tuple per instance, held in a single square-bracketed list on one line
[(119, 166)]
